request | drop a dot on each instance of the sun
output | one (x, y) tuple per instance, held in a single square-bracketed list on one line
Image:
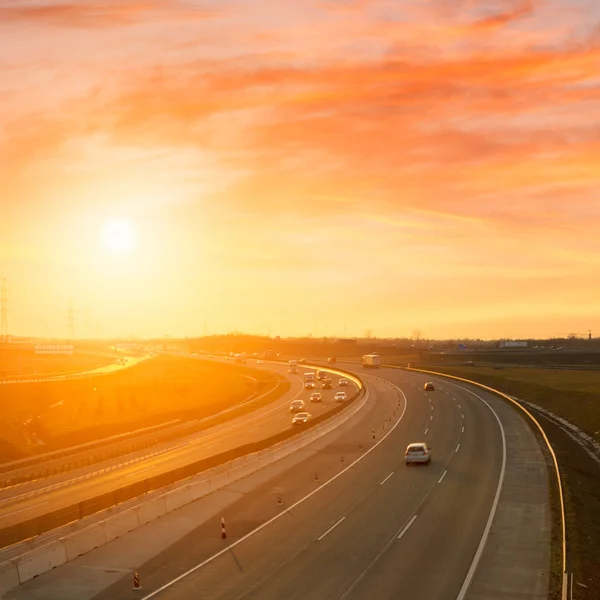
[(118, 237)]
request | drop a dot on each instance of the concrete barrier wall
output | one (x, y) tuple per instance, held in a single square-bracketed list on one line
[(118, 522), (85, 540), (151, 510), (39, 561), (9, 577)]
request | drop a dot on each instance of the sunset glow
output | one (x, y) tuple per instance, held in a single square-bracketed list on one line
[(316, 167)]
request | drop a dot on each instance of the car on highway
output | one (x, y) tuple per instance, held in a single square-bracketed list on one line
[(429, 387), (260, 362), (297, 406), (340, 397), (417, 452), (316, 397), (302, 361), (301, 418), (309, 385), (327, 384), (331, 360), (343, 382)]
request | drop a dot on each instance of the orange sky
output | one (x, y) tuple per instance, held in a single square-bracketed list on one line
[(320, 167)]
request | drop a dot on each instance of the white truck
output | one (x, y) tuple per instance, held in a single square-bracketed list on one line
[(371, 361), (292, 366), (309, 380)]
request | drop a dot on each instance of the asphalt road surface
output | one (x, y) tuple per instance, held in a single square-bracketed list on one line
[(355, 522)]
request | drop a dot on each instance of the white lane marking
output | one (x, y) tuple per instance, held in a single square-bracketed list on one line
[(442, 477), (459, 406), (462, 416), (283, 512), (471, 573), (431, 418), (462, 430), (412, 520), (457, 447), (330, 529), (425, 432), (387, 478), (22, 510)]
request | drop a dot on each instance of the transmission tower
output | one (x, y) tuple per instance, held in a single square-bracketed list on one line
[(4, 309)]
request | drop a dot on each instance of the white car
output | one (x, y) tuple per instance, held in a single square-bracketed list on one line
[(340, 397), (418, 452), (343, 382), (309, 385), (301, 418), (297, 406), (259, 362), (316, 397)]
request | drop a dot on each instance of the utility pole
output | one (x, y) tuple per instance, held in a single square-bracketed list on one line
[(3, 309)]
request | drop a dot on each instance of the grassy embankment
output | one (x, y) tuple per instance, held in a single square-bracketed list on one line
[(575, 396), (14, 363), (65, 413)]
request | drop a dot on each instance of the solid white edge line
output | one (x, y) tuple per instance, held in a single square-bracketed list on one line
[(442, 477), (471, 573), (412, 520), (278, 515), (330, 529), (457, 447), (387, 478), (425, 432)]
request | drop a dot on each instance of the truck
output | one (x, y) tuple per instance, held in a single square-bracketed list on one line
[(309, 376), (513, 344), (292, 366), (371, 361), (322, 375)]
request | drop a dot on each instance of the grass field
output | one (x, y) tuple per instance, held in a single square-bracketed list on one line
[(16, 363), (47, 416), (575, 396)]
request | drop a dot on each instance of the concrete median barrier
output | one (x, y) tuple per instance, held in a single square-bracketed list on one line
[(178, 498), (151, 510), (120, 523), (85, 540), (40, 560), (9, 577)]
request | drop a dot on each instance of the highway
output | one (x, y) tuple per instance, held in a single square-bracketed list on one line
[(356, 522), (39, 497)]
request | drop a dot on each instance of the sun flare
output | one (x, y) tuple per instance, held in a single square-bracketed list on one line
[(118, 237)]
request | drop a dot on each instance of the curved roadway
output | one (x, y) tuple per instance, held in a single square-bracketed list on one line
[(356, 523), (40, 497)]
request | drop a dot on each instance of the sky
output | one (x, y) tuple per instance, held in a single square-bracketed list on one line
[(321, 167)]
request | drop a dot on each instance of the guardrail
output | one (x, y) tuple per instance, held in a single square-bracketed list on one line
[(565, 576), (39, 525)]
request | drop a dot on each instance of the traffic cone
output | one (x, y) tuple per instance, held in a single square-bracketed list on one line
[(223, 532), (136, 581)]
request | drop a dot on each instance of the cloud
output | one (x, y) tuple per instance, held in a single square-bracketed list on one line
[(95, 15), (512, 13)]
